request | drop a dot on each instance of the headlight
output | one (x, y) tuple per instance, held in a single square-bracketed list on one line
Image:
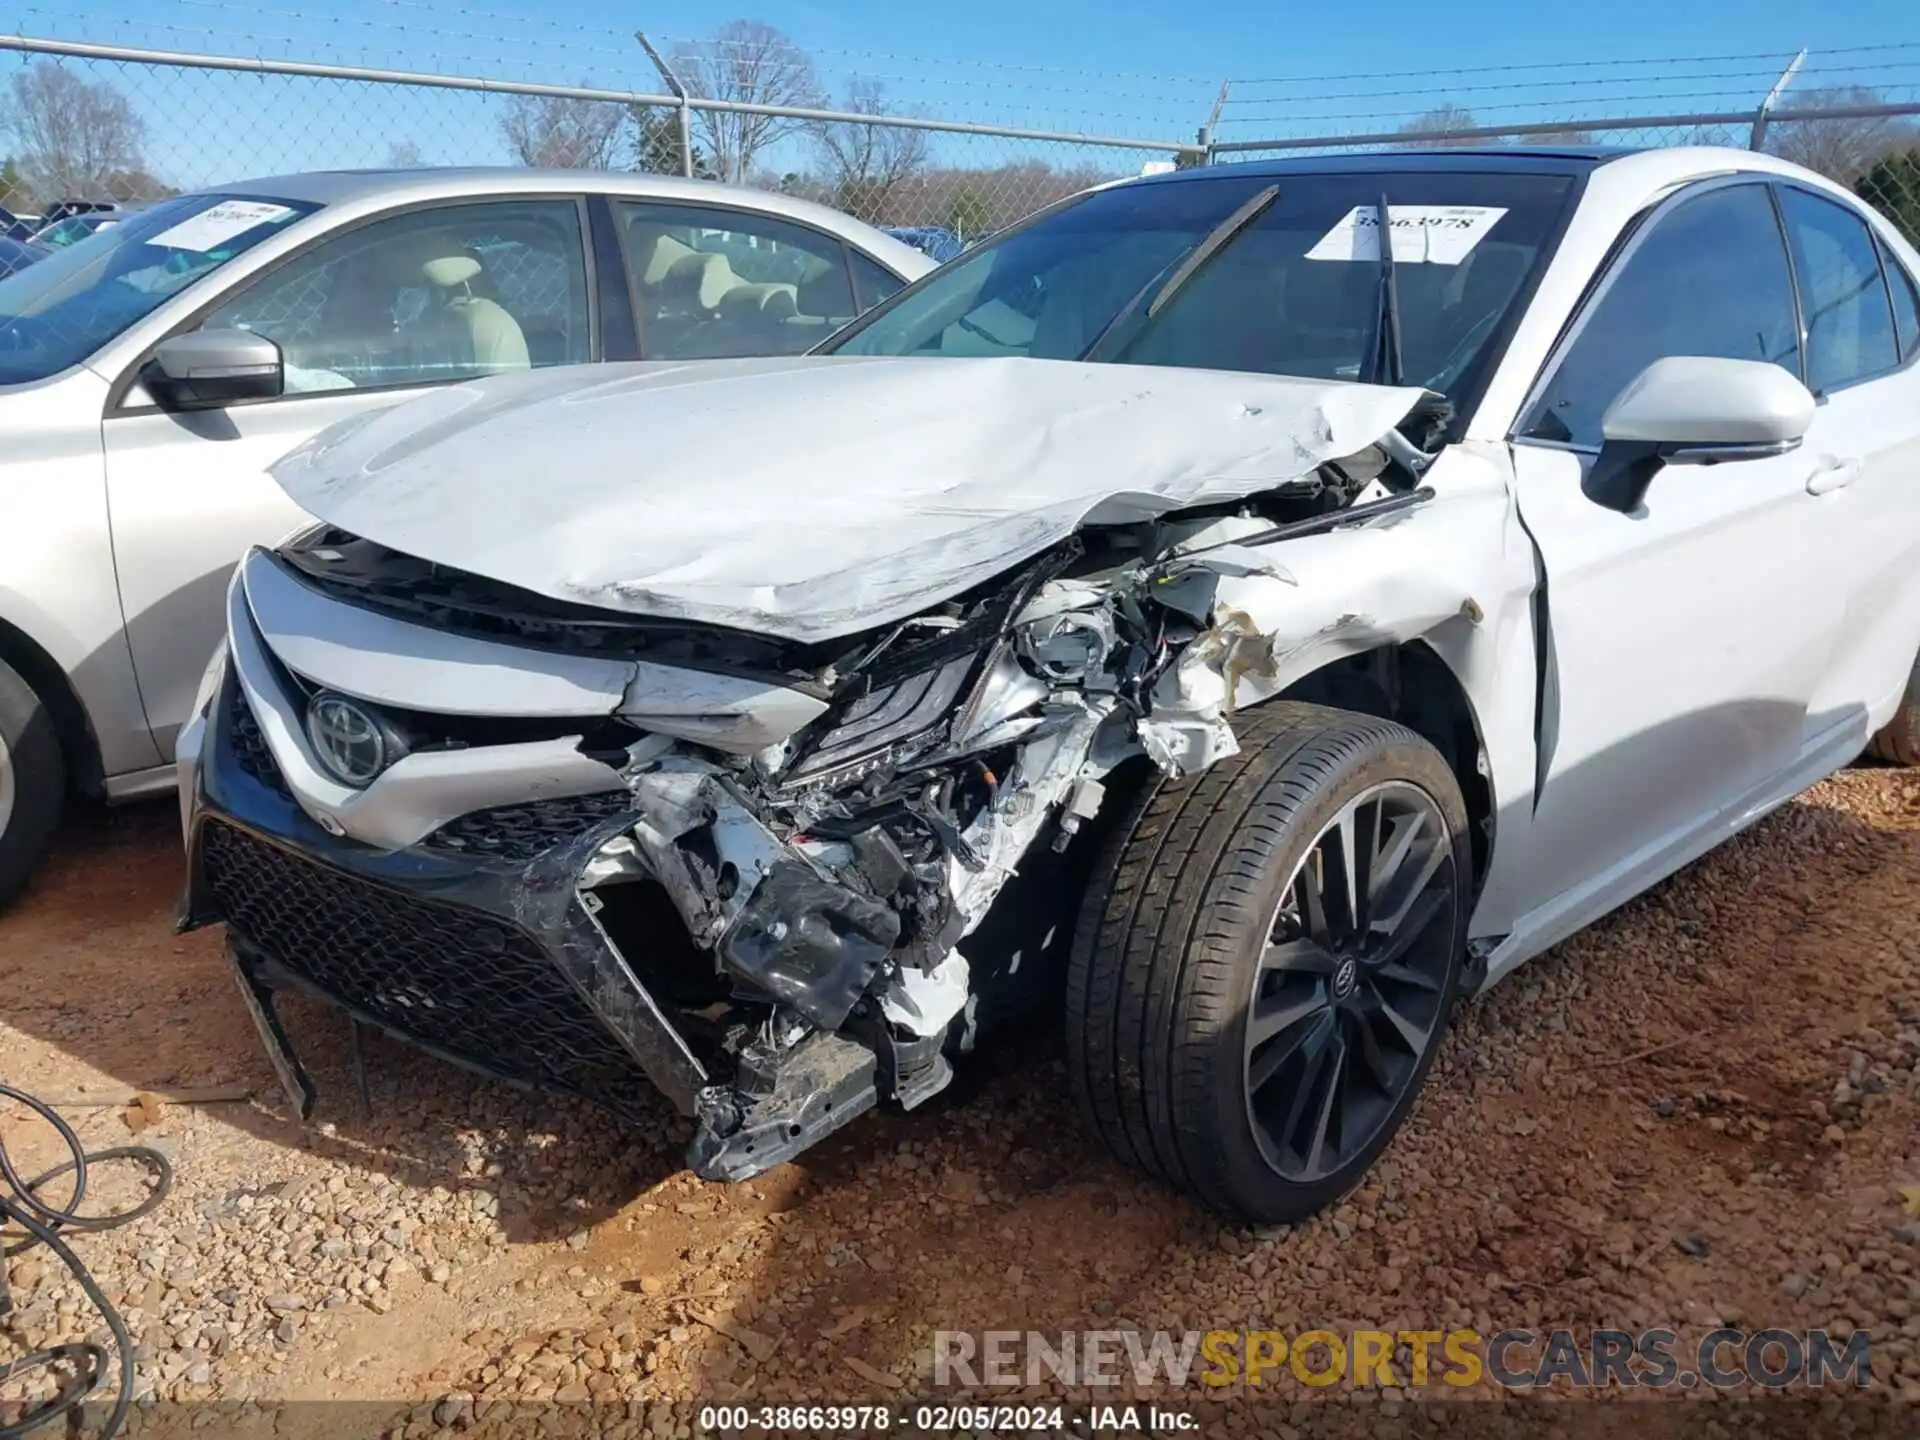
[(210, 680), (883, 718), (997, 708)]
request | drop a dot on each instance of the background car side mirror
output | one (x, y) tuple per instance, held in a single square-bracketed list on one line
[(205, 369), (1694, 410)]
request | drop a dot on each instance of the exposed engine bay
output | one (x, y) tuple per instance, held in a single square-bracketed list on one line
[(831, 850)]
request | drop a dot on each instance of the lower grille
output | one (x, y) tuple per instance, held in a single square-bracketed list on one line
[(250, 750), (520, 832), (445, 976)]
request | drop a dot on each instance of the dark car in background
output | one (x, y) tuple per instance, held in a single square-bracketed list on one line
[(61, 209), (71, 229), (13, 227)]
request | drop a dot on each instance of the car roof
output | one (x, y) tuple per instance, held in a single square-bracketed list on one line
[(377, 187), (330, 187), (1515, 159)]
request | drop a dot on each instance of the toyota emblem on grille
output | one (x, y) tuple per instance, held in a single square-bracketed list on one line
[(347, 739)]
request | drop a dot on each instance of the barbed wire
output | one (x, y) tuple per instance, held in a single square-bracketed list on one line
[(1782, 56), (1663, 98)]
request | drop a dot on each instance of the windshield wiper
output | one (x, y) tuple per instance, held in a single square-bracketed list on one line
[(1140, 309), (1385, 366)]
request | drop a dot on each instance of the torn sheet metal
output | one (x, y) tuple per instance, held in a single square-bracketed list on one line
[(889, 485), (1344, 592)]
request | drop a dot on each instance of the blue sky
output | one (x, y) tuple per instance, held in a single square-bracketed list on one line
[(1129, 68)]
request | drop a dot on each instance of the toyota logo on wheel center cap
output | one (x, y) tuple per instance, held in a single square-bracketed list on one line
[(1344, 978), (347, 739)]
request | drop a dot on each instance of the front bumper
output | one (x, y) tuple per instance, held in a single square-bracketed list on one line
[(477, 944), (629, 928)]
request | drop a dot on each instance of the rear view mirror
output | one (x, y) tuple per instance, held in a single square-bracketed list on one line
[(1694, 410), (206, 369)]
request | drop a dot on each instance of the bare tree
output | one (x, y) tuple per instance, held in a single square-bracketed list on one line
[(756, 64), (1436, 123), (1843, 147), (866, 164), (562, 133), (404, 155), (75, 136)]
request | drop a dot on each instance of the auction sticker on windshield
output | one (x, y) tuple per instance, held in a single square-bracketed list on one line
[(1422, 234), (219, 223)]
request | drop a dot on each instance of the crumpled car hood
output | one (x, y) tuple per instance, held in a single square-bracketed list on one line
[(809, 498)]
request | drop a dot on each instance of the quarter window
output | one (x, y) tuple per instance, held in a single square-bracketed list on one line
[(724, 282), (1843, 296), (447, 293), (1906, 305), (872, 282), (1710, 278)]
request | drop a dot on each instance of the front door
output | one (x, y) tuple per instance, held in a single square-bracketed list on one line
[(1687, 638), (364, 319)]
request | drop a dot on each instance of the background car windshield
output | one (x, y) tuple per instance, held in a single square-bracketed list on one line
[(58, 312), (1295, 293)]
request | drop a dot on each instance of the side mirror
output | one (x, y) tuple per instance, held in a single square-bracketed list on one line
[(1694, 410), (206, 369)]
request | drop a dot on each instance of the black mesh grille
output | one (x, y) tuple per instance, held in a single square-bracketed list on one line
[(448, 977), (249, 745), (520, 832)]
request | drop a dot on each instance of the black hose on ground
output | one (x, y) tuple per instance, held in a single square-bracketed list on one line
[(21, 1205)]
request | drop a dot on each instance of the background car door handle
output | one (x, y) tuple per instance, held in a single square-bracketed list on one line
[(1832, 474)]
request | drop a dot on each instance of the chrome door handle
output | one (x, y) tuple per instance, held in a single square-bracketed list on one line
[(1832, 474)]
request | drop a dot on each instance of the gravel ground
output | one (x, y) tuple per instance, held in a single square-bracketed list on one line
[(1702, 1111)]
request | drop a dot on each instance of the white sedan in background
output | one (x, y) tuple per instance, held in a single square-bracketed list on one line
[(1380, 611), (150, 372)]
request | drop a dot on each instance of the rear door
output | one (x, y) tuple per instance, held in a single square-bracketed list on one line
[(364, 318), (1685, 639), (1862, 340)]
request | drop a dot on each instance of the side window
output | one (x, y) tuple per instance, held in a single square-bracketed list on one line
[(1842, 295), (872, 282), (445, 293), (1906, 304), (1710, 278), (725, 282)]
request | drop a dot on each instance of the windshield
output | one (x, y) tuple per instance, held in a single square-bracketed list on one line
[(1297, 291), (58, 312)]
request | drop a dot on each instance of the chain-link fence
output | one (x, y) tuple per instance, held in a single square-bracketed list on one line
[(1872, 150), (1851, 114), (84, 121), (93, 123)]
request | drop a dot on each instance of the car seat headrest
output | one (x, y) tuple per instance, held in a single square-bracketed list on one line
[(447, 271)]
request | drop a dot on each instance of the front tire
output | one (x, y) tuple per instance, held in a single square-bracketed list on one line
[(1898, 741), (1241, 1021), (33, 781)]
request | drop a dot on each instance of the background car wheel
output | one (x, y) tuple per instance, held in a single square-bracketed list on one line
[(1267, 959), (1898, 741), (33, 781)]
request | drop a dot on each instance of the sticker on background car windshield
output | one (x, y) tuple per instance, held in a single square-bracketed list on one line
[(219, 223), (1422, 234)]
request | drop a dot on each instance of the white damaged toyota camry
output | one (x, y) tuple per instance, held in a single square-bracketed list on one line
[(1184, 611)]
